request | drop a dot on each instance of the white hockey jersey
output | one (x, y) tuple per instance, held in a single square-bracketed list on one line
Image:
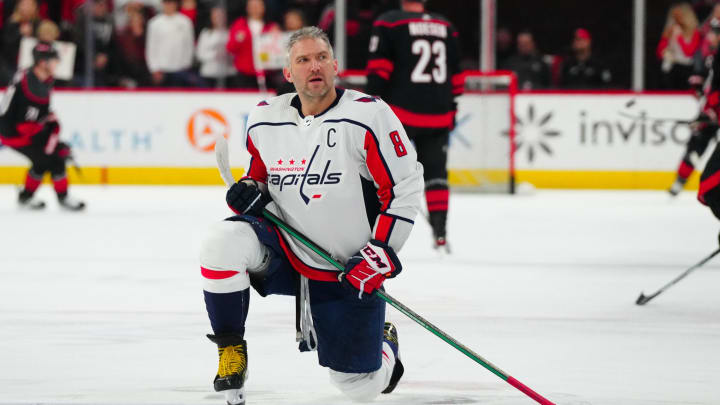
[(342, 177)]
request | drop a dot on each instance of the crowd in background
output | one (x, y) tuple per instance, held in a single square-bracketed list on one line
[(212, 43)]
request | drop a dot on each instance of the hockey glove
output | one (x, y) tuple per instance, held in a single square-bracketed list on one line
[(367, 269), (63, 150), (244, 197)]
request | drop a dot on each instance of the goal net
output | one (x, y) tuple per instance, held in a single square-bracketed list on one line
[(481, 151), (481, 154)]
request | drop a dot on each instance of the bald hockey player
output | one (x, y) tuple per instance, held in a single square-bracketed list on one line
[(414, 65), (28, 126), (336, 165)]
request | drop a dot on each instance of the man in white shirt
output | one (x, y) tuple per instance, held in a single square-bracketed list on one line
[(169, 47)]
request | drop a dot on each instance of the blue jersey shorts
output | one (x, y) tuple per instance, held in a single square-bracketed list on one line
[(349, 330)]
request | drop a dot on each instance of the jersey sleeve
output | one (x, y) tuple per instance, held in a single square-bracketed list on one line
[(256, 170), (392, 162), (457, 79), (380, 60)]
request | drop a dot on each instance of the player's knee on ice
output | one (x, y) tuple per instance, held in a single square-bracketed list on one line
[(363, 387), (229, 247)]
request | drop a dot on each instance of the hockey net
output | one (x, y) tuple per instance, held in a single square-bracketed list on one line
[(482, 145)]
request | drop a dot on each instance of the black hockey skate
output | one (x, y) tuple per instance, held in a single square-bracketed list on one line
[(27, 200), (232, 368), (69, 203), (390, 336), (438, 222)]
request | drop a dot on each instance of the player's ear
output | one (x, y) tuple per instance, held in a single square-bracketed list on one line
[(286, 74), (335, 66)]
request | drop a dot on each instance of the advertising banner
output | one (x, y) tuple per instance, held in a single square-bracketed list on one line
[(563, 139)]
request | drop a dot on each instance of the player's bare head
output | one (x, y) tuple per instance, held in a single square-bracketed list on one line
[(307, 33), (311, 66)]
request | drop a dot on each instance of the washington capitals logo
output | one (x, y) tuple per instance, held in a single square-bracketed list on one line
[(295, 172)]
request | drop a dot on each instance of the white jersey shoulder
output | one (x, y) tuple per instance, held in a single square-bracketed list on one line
[(273, 109), (353, 105)]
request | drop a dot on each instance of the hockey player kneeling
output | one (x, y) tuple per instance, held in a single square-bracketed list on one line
[(337, 166)]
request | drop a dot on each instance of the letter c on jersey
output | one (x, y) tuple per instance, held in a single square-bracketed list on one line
[(331, 131)]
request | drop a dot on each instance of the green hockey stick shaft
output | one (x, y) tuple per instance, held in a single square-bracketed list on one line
[(223, 161), (411, 314)]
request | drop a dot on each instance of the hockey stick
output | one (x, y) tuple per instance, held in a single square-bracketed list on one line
[(223, 161), (643, 299)]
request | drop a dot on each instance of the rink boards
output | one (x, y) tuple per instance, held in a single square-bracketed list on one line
[(564, 140)]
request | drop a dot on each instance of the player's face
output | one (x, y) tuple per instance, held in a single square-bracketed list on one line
[(48, 66), (312, 68)]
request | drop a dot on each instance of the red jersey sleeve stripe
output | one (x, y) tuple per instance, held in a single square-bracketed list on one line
[(217, 274), (384, 228), (257, 170), (379, 170), (381, 64), (707, 185)]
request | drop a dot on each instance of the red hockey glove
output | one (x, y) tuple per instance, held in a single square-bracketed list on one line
[(367, 269)]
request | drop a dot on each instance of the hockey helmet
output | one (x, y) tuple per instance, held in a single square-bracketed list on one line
[(44, 51)]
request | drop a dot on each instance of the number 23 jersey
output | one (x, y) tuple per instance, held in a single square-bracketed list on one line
[(342, 177)]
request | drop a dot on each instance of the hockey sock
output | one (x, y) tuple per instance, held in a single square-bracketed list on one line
[(437, 199), (437, 203), (228, 311), (61, 185), (32, 182)]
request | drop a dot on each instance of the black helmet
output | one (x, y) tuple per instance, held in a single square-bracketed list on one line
[(44, 51)]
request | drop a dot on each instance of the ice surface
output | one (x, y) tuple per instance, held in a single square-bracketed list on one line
[(105, 307)]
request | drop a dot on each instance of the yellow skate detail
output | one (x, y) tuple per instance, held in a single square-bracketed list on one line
[(232, 360)]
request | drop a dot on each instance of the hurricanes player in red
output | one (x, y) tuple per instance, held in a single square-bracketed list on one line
[(28, 126), (414, 65)]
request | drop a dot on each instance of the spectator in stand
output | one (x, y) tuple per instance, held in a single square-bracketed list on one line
[(169, 47), (243, 33), (130, 53), (215, 61), (124, 8), (189, 9), (103, 43), (680, 40), (531, 70), (21, 24), (714, 15), (504, 46), (47, 31), (68, 11), (581, 70), (293, 20)]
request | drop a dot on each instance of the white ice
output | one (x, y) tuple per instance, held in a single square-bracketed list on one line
[(105, 306)]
